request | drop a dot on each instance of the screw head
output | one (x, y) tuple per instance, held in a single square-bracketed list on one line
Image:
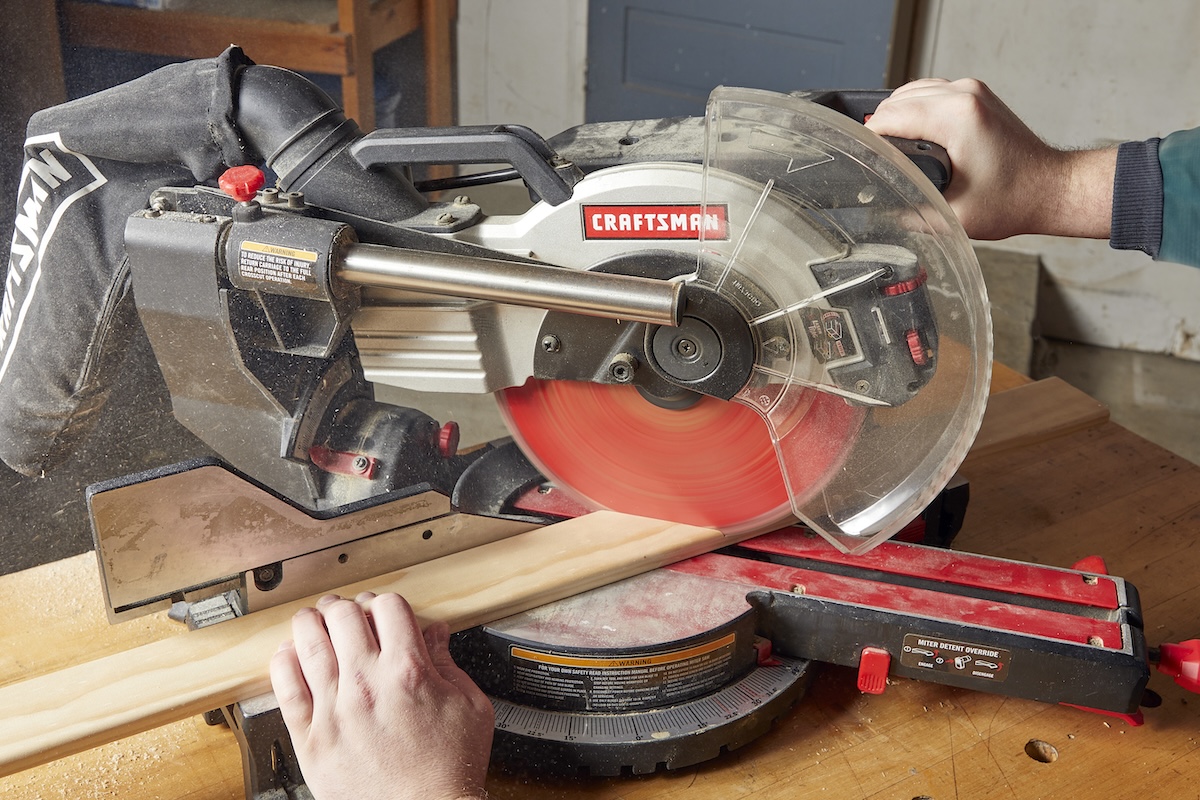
[(551, 343), (622, 367)]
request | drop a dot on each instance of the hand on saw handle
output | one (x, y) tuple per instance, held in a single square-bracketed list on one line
[(1007, 181), (376, 708)]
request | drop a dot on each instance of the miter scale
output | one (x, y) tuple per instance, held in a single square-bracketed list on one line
[(762, 317)]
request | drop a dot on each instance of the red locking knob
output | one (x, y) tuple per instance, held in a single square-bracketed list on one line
[(448, 438), (1182, 662), (242, 183)]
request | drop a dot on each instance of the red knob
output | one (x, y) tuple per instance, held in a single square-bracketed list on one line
[(448, 440), (242, 183), (1182, 662)]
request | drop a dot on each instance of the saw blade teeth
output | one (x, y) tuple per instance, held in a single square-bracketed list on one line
[(711, 464)]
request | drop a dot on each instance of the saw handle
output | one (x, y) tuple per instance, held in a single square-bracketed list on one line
[(546, 173), (859, 104)]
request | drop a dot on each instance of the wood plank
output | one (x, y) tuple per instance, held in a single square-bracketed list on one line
[(315, 47), (100, 701), (1035, 412), (437, 23)]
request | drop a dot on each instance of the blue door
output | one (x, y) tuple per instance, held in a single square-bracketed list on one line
[(660, 58)]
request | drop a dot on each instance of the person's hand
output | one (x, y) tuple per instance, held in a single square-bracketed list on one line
[(1005, 180), (376, 709)]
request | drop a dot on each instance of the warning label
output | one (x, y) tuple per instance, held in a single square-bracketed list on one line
[(962, 658), (275, 264), (599, 683), (829, 334)]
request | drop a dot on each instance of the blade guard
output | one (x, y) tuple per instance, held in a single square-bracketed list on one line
[(888, 315)]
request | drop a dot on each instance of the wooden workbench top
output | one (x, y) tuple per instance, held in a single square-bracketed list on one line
[(1100, 490)]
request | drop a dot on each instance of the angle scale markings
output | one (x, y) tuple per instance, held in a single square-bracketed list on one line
[(701, 714)]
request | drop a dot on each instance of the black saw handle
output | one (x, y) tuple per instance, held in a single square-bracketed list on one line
[(860, 104), (544, 171)]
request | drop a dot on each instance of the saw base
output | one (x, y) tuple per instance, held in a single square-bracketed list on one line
[(663, 670)]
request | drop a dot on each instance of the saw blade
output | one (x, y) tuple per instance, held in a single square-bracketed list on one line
[(712, 463)]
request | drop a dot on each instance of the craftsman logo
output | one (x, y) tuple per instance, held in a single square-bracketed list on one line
[(52, 180), (655, 222)]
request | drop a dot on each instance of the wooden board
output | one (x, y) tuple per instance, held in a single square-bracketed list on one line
[(88, 704), (1035, 412)]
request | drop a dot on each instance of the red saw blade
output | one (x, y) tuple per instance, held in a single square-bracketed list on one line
[(711, 464)]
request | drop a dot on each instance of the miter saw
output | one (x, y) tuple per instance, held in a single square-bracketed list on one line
[(764, 320)]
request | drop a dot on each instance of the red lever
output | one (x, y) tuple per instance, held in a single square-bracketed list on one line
[(873, 667), (1182, 662), (242, 183)]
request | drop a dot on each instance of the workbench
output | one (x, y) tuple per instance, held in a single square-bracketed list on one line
[(1096, 491)]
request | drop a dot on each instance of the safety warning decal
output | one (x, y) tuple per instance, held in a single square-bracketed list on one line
[(959, 658), (621, 683), (276, 264), (687, 221)]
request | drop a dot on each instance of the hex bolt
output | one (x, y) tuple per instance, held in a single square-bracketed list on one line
[(622, 367)]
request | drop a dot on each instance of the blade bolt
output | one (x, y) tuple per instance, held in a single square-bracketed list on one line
[(551, 343), (622, 367)]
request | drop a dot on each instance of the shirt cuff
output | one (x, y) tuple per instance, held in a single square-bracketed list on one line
[(1137, 198)]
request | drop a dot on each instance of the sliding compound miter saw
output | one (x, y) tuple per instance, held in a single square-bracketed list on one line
[(764, 320)]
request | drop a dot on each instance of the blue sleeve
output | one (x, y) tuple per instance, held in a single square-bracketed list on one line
[(1156, 198), (1179, 157)]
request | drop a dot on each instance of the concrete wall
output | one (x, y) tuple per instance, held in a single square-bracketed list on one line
[(522, 61), (1081, 72), (1086, 73)]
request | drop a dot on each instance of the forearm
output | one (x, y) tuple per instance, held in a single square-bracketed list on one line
[(1078, 200)]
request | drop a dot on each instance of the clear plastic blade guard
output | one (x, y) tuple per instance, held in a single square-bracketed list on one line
[(882, 308)]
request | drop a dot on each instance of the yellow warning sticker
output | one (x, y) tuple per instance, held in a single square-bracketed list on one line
[(278, 250), (598, 662)]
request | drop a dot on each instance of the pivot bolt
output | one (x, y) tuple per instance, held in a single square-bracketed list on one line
[(686, 348), (621, 368)]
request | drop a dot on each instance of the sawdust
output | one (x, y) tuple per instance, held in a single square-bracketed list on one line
[(186, 759)]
